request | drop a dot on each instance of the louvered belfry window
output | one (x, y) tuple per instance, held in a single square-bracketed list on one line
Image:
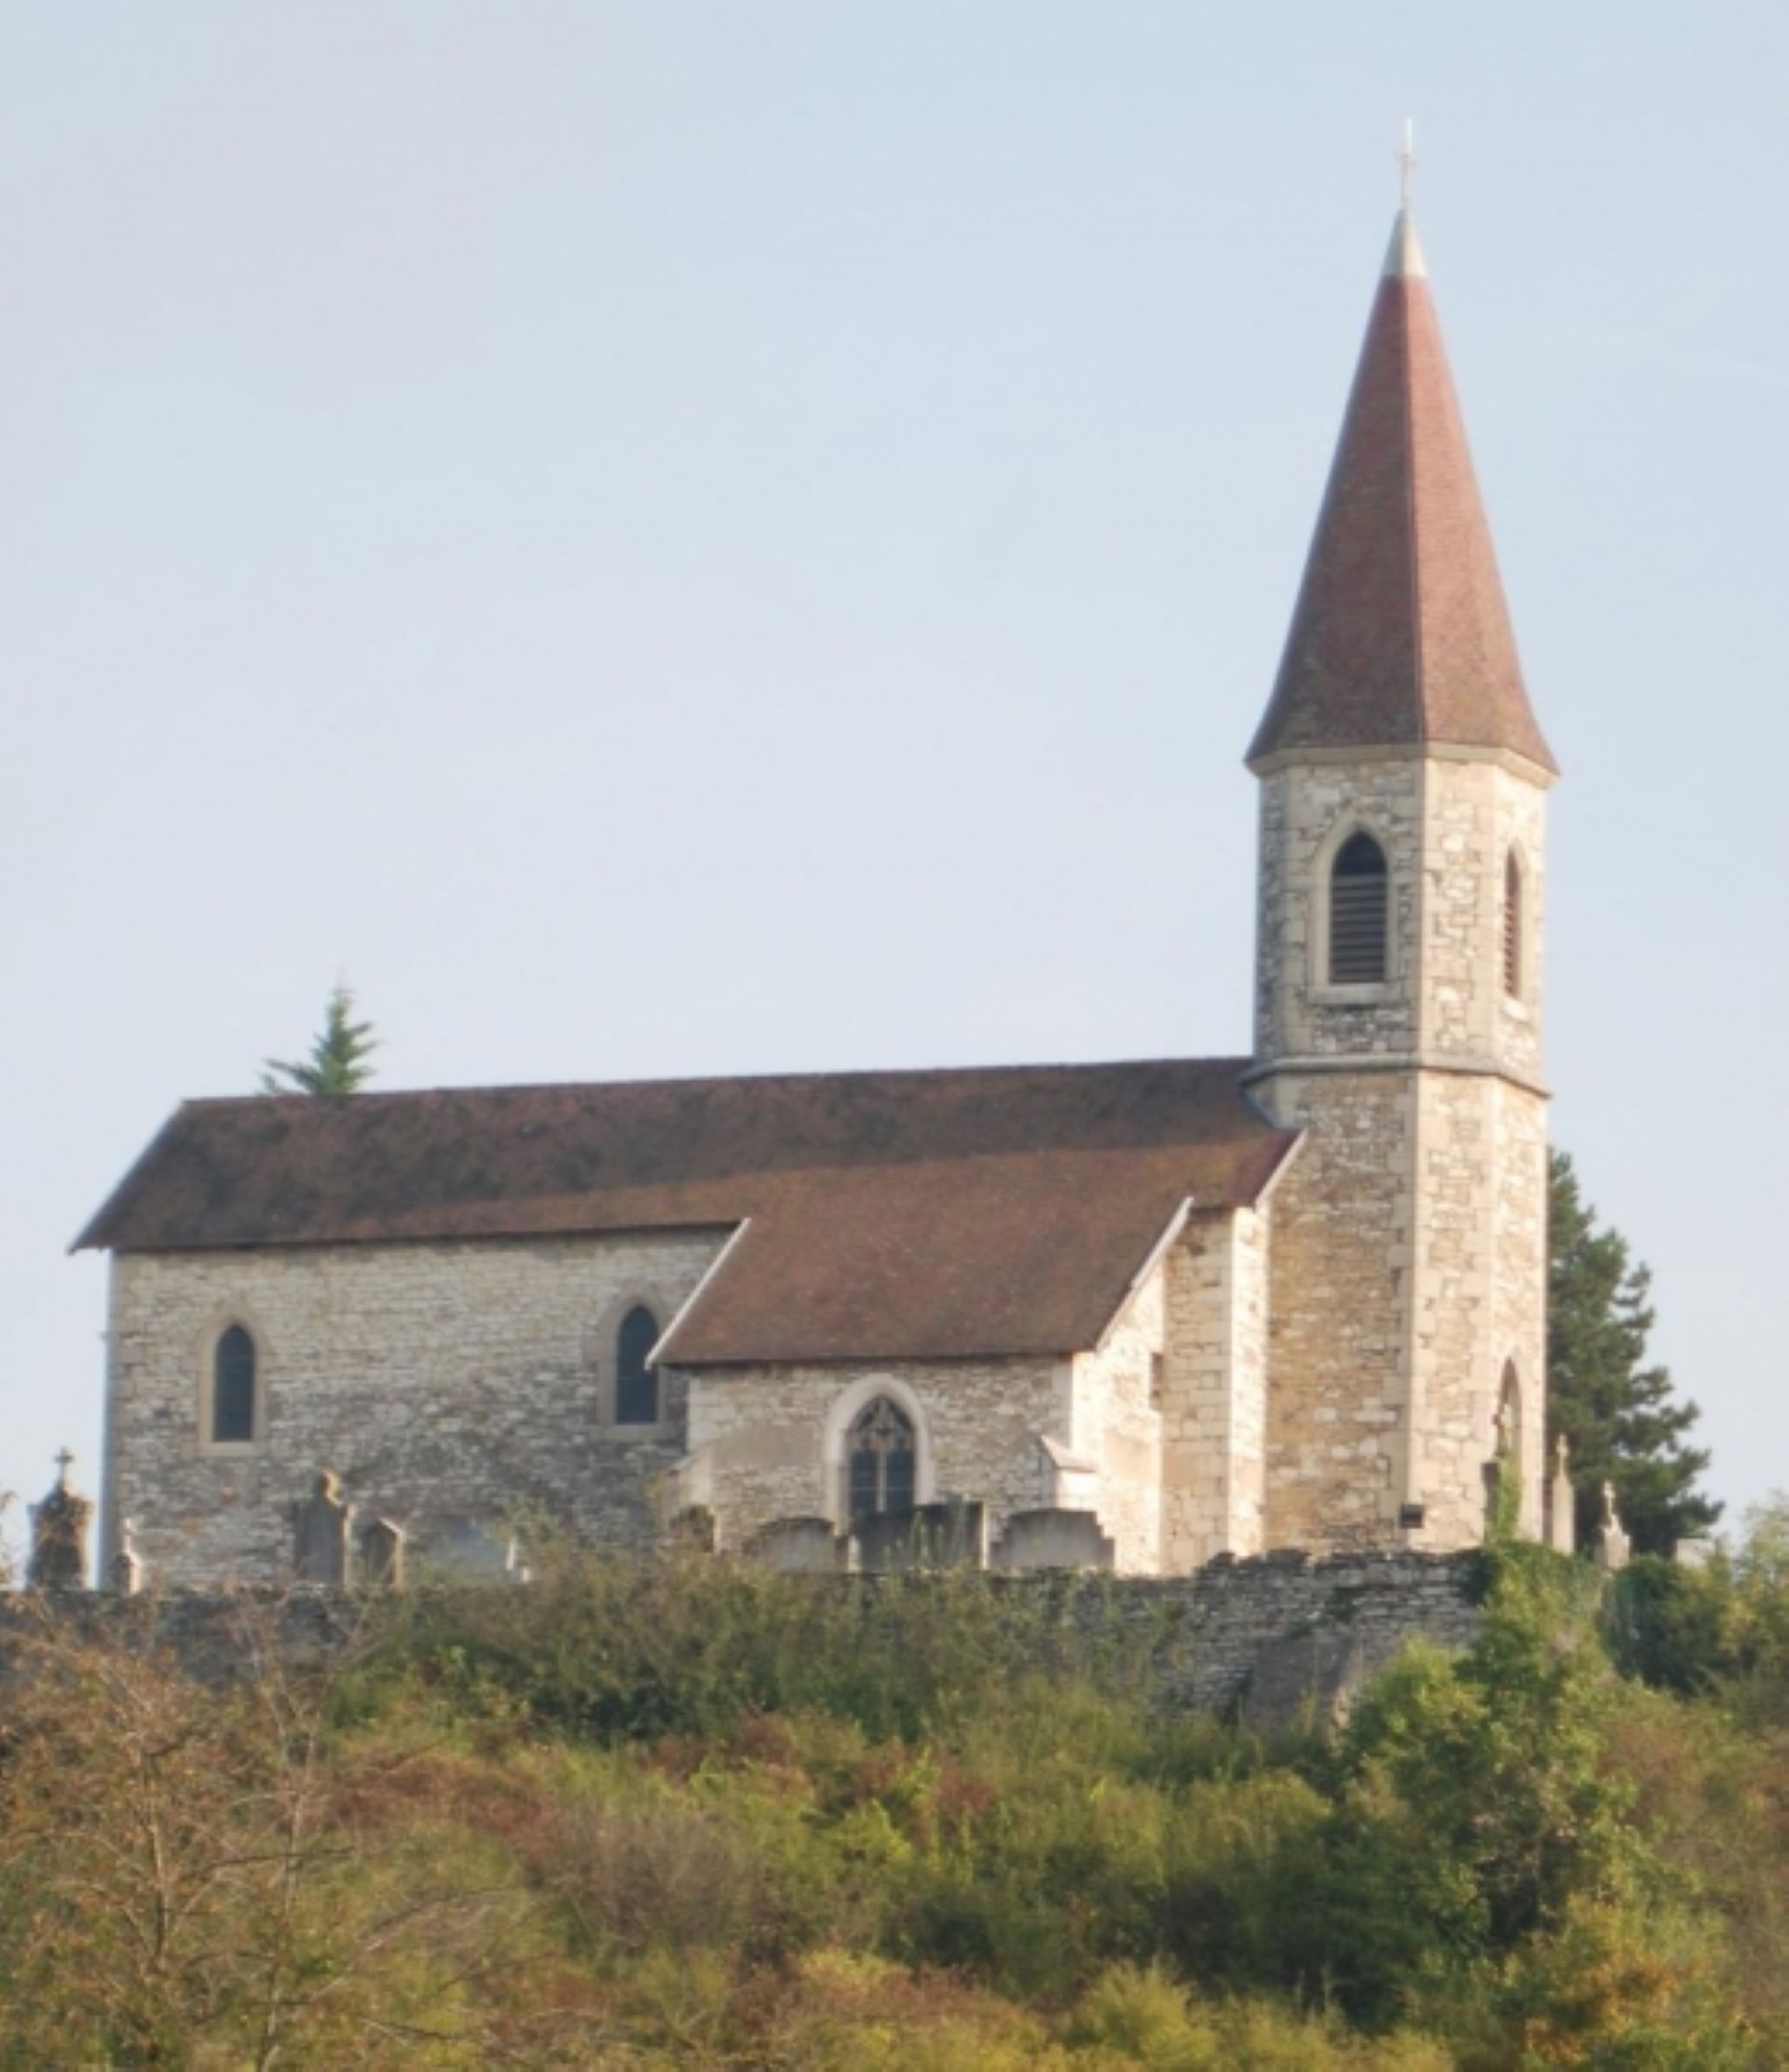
[(1358, 910), (1513, 926)]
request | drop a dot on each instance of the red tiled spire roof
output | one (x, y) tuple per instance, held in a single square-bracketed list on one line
[(1400, 635)]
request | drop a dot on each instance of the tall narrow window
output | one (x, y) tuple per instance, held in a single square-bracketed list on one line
[(1357, 914), (1508, 1433), (636, 1379), (233, 1389), (881, 1456), (1513, 926)]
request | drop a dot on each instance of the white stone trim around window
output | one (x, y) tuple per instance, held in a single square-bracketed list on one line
[(600, 1356), (844, 1412), (220, 1322), (1323, 990)]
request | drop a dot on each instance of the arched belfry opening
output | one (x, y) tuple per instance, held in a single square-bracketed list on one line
[(1358, 907), (1512, 943)]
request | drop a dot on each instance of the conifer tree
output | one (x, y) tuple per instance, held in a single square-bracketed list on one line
[(1620, 1415), (338, 1063)]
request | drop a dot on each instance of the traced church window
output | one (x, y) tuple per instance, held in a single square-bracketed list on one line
[(881, 1456), (1513, 926), (1358, 905), (233, 1389), (636, 1379)]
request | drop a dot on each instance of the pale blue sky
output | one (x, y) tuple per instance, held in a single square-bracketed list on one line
[(668, 538)]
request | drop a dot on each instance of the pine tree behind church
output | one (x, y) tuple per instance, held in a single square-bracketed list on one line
[(1618, 1414), (338, 1060)]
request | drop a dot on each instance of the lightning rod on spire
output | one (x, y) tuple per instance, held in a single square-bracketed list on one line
[(1406, 159)]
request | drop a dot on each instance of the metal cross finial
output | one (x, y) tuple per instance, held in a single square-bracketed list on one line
[(1406, 157), (64, 1461)]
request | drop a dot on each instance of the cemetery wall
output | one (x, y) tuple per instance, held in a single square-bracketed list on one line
[(1265, 1635)]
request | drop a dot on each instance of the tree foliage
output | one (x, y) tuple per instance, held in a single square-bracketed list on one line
[(339, 1061), (1617, 1412), (685, 1813)]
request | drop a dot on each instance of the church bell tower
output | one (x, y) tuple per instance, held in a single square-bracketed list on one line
[(1399, 985)]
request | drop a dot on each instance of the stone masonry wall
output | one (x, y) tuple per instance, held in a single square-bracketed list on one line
[(1408, 1258), (1306, 814), (442, 1382), (767, 1442), (1474, 815), (1266, 1635), (1118, 1420), (1337, 1354), (1519, 1306), (1214, 1415)]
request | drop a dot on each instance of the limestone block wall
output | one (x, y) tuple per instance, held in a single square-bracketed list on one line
[(1339, 1267), (1519, 1293), (1475, 813), (442, 1382), (1408, 1258), (1306, 814), (1117, 1420), (1214, 1416), (1456, 1345), (768, 1442), (1447, 824), (1479, 1296)]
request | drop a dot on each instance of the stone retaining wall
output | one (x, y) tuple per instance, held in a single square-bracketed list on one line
[(1266, 1636)]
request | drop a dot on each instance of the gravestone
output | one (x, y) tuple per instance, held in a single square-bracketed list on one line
[(798, 1547), (951, 1534), (126, 1564), (1613, 1547), (58, 1534), (1561, 1501), (1053, 1538), (466, 1551), (320, 1526), (382, 1555)]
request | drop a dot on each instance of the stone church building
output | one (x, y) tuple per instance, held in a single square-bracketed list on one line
[(1167, 1310)]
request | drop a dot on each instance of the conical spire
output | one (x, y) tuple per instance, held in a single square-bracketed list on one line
[(1401, 635)]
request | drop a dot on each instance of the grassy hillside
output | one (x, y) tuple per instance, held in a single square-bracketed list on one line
[(693, 1816)]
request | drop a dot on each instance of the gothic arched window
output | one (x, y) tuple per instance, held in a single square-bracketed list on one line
[(1513, 926), (881, 1455), (233, 1406), (636, 1379), (1358, 909)]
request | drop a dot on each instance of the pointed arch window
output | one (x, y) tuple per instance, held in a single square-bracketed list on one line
[(1512, 944), (636, 1379), (233, 1407), (880, 1456), (1359, 906)]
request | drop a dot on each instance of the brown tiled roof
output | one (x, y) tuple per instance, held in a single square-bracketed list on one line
[(936, 1214), (1402, 634)]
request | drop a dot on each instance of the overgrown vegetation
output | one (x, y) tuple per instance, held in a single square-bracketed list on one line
[(688, 1815)]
